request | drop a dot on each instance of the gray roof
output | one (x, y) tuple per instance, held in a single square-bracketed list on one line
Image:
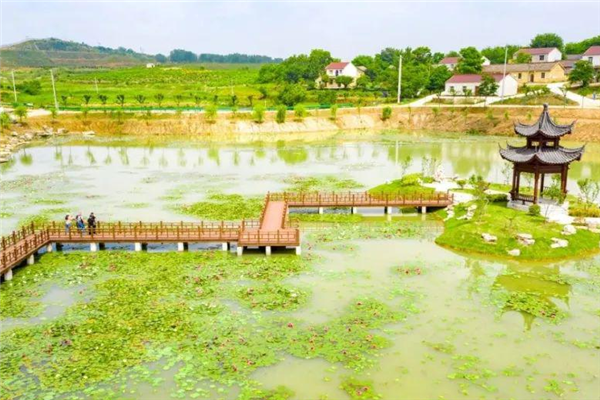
[(544, 127), (512, 68), (544, 155)]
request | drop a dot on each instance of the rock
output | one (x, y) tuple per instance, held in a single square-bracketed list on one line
[(61, 131), (14, 134), (489, 238), (88, 133), (46, 134), (28, 136), (569, 230), (524, 236), (472, 207), (514, 252), (559, 243), (594, 230)]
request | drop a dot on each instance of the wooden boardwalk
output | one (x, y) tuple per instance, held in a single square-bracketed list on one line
[(272, 230)]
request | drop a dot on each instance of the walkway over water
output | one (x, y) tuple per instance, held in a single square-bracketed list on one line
[(272, 230)]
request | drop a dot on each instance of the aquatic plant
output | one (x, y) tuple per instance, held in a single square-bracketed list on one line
[(359, 388), (229, 207)]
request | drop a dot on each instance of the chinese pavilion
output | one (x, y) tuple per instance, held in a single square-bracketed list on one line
[(542, 155)]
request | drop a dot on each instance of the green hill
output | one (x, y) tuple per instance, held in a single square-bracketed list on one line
[(55, 52)]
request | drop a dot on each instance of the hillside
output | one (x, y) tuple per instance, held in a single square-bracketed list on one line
[(56, 52)]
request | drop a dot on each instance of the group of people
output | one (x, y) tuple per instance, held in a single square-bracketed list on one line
[(80, 223)]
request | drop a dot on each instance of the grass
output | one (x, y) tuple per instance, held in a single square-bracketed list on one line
[(587, 91), (505, 223), (536, 100), (407, 185)]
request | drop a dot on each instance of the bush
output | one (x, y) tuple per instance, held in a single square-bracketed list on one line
[(583, 210), (497, 198), (386, 113), (210, 113), (299, 112), (281, 112), (30, 87), (333, 112), (534, 210), (327, 97), (258, 113), (411, 179), (461, 183)]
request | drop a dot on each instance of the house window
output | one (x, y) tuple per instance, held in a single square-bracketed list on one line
[(520, 75), (543, 75), (464, 89), (542, 57), (591, 59)]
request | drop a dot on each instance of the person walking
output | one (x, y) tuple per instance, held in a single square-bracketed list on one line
[(92, 223), (80, 223), (68, 222)]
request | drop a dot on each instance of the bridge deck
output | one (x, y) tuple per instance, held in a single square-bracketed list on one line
[(273, 228)]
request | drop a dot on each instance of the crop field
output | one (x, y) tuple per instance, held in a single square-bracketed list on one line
[(187, 86)]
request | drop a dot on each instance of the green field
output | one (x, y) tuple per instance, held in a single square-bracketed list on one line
[(185, 86), (537, 100)]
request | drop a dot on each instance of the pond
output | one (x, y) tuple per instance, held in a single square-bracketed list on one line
[(392, 316)]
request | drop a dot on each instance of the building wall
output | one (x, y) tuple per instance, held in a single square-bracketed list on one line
[(348, 70), (554, 55), (460, 88), (510, 86), (556, 74), (595, 60)]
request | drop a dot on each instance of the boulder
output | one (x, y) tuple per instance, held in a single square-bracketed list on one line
[(61, 131), (472, 207), (569, 230), (559, 243), (489, 238), (514, 252), (14, 134), (525, 239), (28, 136)]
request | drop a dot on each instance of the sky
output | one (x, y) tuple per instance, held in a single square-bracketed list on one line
[(283, 28)]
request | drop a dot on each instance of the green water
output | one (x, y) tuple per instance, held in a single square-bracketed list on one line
[(467, 328)]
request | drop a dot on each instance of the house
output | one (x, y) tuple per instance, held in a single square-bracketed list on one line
[(150, 65), (451, 62), (335, 69), (592, 55), (541, 54), (459, 84), (536, 73)]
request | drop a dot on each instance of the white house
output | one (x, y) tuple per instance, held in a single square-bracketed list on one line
[(451, 62), (459, 84), (541, 54), (592, 55), (150, 65), (335, 69)]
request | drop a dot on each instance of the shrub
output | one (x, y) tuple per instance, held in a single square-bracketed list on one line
[(497, 198), (386, 113), (30, 87), (21, 112), (461, 183), (327, 97), (333, 112), (534, 210), (210, 113), (281, 113), (258, 113), (292, 95), (299, 112)]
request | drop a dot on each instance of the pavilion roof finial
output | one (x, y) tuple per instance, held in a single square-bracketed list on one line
[(544, 127)]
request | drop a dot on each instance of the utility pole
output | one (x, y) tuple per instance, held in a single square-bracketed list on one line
[(399, 77), (96, 83), (14, 87), (54, 90), (504, 72)]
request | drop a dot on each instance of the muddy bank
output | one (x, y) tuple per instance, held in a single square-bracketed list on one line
[(240, 126)]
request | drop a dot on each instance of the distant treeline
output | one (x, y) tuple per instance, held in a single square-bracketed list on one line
[(185, 56)]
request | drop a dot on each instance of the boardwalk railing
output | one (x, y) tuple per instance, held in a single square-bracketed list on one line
[(361, 199), (280, 237)]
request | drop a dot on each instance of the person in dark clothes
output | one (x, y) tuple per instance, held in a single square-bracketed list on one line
[(80, 223), (92, 223)]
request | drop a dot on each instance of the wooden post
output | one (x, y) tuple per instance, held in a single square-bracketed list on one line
[(542, 184)]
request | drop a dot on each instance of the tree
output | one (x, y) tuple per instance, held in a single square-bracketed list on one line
[(386, 113), (470, 61), (21, 112), (281, 113), (547, 40), (140, 98), (496, 54), (159, 97), (64, 99), (251, 100), (234, 100), (86, 99), (210, 113), (292, 95), (182, 56), (299, 112), (161, 58), (487, 87), (582, 72), (264, 93), (343, 80), (178, 99), (103, 99), (121, 99), (327, 97), (33, 87), (259, 114), (590, 190), (438, 78), (522, 58), (581, 47)]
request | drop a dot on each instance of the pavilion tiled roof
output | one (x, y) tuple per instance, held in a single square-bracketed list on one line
[(544, 127), (543, 154)]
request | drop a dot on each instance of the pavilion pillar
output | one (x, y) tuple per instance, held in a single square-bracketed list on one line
[(518, 184), (514, 182), (535, 186), (542, 184), (563, 179)]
